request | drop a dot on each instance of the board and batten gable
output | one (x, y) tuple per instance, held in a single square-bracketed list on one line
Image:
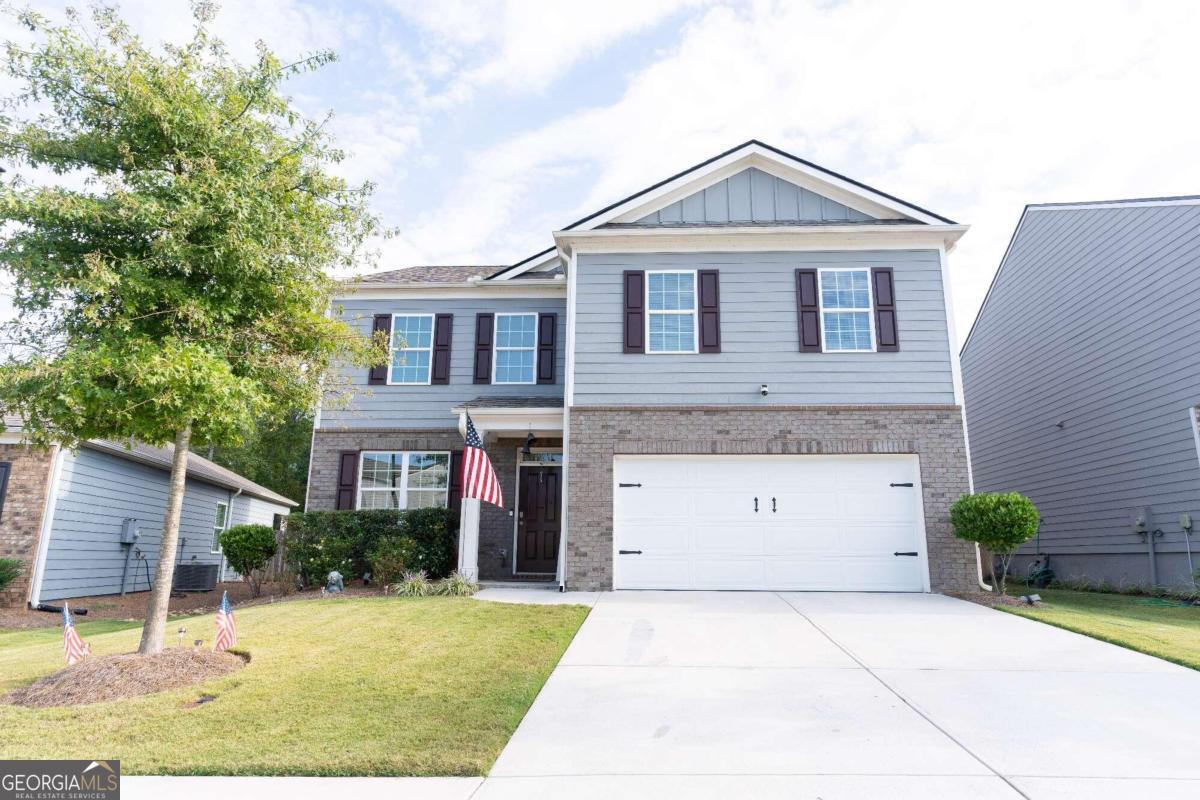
[(1093, 323), (753, 195), (759, 339), (421, 406)]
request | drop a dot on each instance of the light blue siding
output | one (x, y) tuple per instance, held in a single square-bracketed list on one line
[(759, 339), (1093, 323), (429, 406), (753, 196)]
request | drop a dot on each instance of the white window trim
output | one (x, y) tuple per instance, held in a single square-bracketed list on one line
[(695, 312), (403, 487), (496, 348), (216, 539), (392, 349), (870, 309)]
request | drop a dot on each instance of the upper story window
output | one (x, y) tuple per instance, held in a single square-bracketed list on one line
[(404, 480), (220, 523), (516, 348), (412, 347), (671, 312), (846, 311)]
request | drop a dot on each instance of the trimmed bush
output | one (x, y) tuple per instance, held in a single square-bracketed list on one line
[(391, 557), (320, 541), (10, 570), (248, 548), (1000, 522)]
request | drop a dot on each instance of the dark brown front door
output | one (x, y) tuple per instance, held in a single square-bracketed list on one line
[(539, 519)]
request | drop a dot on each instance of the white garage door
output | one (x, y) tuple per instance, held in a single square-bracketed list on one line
[(821, 523)]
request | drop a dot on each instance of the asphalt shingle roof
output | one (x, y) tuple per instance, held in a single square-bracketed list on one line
[(431, 274)]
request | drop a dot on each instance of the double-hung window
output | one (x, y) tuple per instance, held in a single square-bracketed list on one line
[(404, 480), (671, 312), (846, 319), (220, 523), (412, 348), (516, 348)]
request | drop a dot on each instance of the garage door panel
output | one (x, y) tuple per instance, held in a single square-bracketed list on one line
[(655, 505), (881, 538), (743, 539), (658, 539), (727, 573), (722, 504), (867, 471), (805, 575), (801, 504), (650, 572), (882, 575), (876, 506), (801, 537)]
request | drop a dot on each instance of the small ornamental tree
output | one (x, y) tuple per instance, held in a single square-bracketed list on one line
[(248, 548), (172, 287), (1000, 522)]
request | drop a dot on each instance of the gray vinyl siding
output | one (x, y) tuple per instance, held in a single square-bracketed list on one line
[(759, 339), (429, 406), (1093, 322), (753, 196), (96, 493)]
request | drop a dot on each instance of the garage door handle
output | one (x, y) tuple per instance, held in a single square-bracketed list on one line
[(905, 485), (629, 552), (909, 553), (756, 505), (773, 509), (629, 485)]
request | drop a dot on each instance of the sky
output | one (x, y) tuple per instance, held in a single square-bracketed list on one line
[(486, 125)]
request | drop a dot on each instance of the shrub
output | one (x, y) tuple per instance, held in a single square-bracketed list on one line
[(248, 548), (457, 585), (321, 541), (414, 583), (391, 557), (10, 570), (1000, 522)]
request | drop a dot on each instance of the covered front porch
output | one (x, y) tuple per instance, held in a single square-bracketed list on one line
[(523, 541)]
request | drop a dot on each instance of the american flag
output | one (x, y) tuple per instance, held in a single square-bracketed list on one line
[(72, 644), (226, 629), (479, 479)]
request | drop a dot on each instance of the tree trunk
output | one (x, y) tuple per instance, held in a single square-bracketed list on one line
[(155, 629)]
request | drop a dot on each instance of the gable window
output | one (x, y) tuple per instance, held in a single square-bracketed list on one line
[(516, 348), (846, 324), (220, 523), (412, 348), (404, 480), (671, 312)]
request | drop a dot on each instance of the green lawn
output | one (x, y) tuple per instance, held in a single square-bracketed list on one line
[(1160, 627), (363, 686)]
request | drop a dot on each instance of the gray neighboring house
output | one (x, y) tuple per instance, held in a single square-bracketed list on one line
[(742, 377), (1082, 378), (63, 513)]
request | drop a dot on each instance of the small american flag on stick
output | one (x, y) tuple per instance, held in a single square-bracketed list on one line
[(72, 645), (226, 629), (479, 479)]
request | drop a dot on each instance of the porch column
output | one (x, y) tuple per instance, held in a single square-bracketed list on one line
[(468, 539)]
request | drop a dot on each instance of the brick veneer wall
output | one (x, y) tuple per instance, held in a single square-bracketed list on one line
[(495, 525), (21, 519), (935, 433)]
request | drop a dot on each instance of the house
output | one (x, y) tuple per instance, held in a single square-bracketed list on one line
[(1082, 378), (88, 522), (741, 377)]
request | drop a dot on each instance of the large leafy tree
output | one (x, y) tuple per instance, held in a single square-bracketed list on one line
[(276, 455), (171, 282)]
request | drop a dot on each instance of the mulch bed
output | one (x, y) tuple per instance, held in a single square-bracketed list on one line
[(104, 678), (990, 599)]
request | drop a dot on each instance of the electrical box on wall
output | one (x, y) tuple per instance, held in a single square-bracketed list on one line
[(129, 531)]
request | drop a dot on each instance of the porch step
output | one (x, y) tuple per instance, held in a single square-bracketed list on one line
[(519, 584)]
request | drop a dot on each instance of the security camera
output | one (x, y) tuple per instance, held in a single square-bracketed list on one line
[(763, 390)]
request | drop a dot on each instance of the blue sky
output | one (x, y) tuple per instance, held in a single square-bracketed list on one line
[(486, 125)]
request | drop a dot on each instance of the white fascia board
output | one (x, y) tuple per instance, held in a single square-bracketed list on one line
[(544, 421), (556, 287), (761, 238), (34, 595)]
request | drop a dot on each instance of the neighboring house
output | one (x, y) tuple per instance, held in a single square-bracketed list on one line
[(742, 377), (1082, 378), (70, 516)]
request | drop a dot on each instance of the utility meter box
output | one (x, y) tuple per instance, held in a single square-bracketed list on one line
[(129, 531)]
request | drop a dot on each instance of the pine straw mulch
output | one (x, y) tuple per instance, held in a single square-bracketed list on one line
[(104, 678)]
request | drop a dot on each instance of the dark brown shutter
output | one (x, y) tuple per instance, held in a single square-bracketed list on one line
[(710, 311), (456, 482), (887, 335), (546, 346), (443, 333), (378, 375), (808, 311), (484, 328), (635, 311), (347, 485)]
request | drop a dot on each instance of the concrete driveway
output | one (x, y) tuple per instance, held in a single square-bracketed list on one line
[(696, 694)]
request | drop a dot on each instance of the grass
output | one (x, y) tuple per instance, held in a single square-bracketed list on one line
[(355, 686), (1159, 627)]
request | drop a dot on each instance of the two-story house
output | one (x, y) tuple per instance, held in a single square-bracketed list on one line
[(741, 377)]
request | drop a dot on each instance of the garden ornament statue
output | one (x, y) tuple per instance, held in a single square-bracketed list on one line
[(333, 583)]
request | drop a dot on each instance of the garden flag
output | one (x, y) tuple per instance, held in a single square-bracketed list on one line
[(72, 644), (479, 479), (226, 629)]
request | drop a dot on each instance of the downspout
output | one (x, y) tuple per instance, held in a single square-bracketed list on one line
[(228, 519)]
